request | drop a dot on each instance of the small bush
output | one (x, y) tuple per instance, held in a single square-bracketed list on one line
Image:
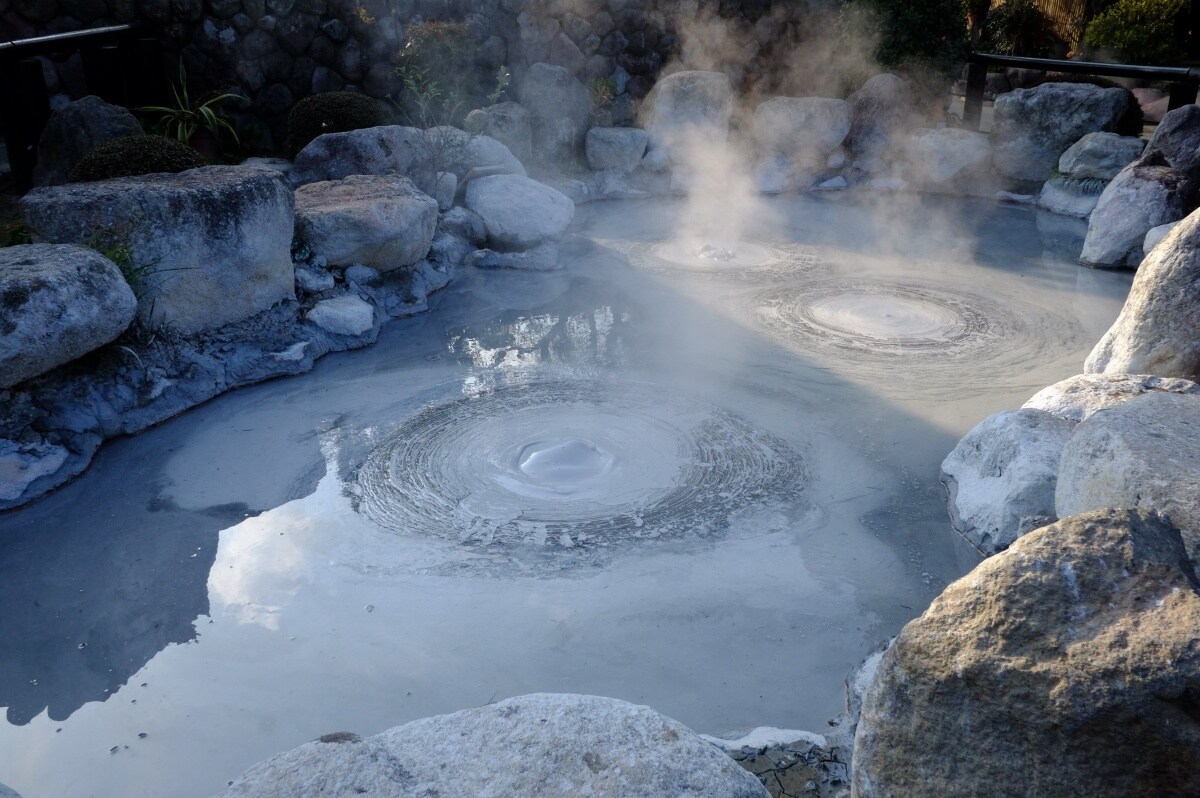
[(1018, 27), (1141, 31), (332, 112), (136, 155), (440, 78), (1129, 125)]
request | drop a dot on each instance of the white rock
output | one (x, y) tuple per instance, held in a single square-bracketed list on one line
[(881, 112), (57, 302), (454, 150), (1156, 331), (1156, 235), (939, 155), (615, 148), (343, 315), (1058, 199), (509, 123), (381, 221), (1144, 453), (1137, 200), (383, 150), (212, 245), (22, 464), (1001, 476), (1100, 155), (519, 213), (1076, 398), (445, 186), (535, 746), (807, 130)]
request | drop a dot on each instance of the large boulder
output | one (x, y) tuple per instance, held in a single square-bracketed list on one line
[(1140, 198), (509, 123), (1077, 398), (519, 213), (937, 156), (534, 746), (381, 221), (1066, 665), (1176, 140), (1144, 453), (881, 114), (615, 148), (57, 302), (1156, 331), (1033, 127), (1000, 477), (806, 130), (206, 247), (384, 150), (1100, 156), (560, 109), (458, 152), (688, 106), (75, 130)]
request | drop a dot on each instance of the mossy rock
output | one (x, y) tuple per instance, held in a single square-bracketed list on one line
[(136, 155), (333, 112)]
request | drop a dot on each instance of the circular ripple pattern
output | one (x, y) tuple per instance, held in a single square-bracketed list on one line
[(905, 329), (750, 260), (572, 465)]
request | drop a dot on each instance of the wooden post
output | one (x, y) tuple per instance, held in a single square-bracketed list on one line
[(973, 104)]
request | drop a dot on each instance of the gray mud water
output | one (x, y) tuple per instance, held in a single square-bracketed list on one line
[(704, 484)]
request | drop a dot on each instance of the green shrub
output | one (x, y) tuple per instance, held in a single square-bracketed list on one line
[(440, 79), (332, 112), (1018, 27), (1129, 125), (1140, 31), (136, 155), (931, 34)]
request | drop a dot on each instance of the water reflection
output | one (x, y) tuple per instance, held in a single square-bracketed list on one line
[(590, 337)]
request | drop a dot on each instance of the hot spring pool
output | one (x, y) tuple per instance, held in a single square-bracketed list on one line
[(705, 484)]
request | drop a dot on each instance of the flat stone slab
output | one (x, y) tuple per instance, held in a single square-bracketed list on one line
[(534, 746), (57, 302), (381, 221), (208, 247)]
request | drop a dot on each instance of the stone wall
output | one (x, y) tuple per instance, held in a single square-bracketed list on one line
[(277, 51)]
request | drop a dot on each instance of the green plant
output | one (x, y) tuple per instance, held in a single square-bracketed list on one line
[(14, 232), (1018, 27), (930, 34), (136, 155), (332, 112), (1141, 31), (604, 91), (439, 79), (503, 80), (184, 120)]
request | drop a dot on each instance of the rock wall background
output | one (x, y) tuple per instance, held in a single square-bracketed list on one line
[(275, 52)]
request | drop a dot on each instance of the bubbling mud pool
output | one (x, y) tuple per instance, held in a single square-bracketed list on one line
[(704, 484)]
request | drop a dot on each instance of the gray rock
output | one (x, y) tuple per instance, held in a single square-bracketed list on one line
[(1139, 198), (685, 106), (209, 246), (22, 465), (75, 130), (445, 186), (1076, 398), (1002, 473), (618, 149), (940, 155), (58, 302), (8, 792), (464, 223), (381, 221), (1156, 235), (313, 281), (806, 130), (459, 152), (560, 109), (1066, 665), (509, 123), (1156, 331), (1100, 155), (1176, 140), (1144, 453), (534, 746), (343, 315), (385, 150), (1068, 201), (881, 115), (359, 275), (519, 213), (542, 258), (1032, 128)]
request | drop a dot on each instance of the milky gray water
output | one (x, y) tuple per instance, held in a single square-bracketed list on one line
[(705, 483)]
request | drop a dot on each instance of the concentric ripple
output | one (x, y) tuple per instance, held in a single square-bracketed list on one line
[(908, 329), (570, 465), (742, 260)]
